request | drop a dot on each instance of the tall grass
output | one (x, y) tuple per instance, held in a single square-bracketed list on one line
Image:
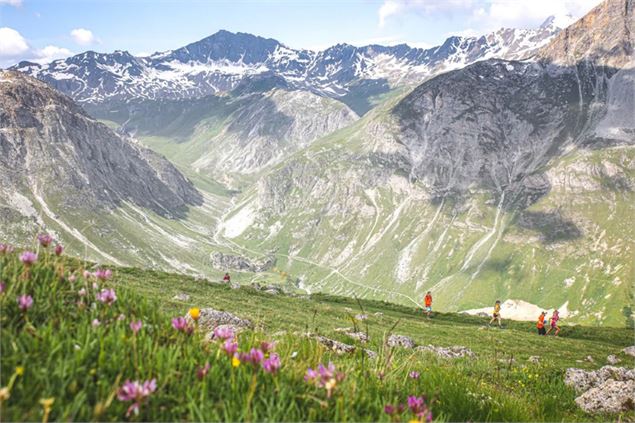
[(67, 356)]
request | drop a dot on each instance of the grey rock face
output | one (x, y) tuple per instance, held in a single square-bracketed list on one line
[(182, 297), (493, 124), (629, 350), (400, 341), (456, 351), (222, 261), (583, 380), (54, 150), (611, 396), (337, 346), (210, 319), (612, 359)]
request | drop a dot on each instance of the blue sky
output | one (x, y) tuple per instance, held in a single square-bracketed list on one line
[(42, 30)]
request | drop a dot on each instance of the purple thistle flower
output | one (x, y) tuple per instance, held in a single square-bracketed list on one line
[(136, 392), (45, 240), (414, 375), (201, 372), (272, 364), (59, 249), (25, 302), (107, 296), (28, 258), (102, 274), (230, 347), (136, 326), (223, 332)]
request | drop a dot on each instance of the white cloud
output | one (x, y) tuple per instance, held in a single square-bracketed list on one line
[(15, 3), (15, 48), (12, 43), (388, 9), (531, 13), (50, 53), (83, 36)]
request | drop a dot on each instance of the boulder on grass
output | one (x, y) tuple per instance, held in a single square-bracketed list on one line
[(400, 341), (456, 351), (612, 396)]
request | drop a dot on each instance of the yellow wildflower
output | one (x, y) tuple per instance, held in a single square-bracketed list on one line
[(235, 362), (4, 394), (195, 313), (47, 403), (19, 370)]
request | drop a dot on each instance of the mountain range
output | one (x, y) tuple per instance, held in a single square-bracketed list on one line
[(494, 167), (221, 62)]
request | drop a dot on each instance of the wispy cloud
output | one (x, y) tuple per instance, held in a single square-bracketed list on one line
[(485, 15), (15, 3)]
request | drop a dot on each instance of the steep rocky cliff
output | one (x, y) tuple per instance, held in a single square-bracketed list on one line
[(53, 149)]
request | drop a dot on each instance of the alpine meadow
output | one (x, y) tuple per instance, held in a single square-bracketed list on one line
[(239, 229)]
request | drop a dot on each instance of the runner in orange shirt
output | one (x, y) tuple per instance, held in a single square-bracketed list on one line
[(428, 304)]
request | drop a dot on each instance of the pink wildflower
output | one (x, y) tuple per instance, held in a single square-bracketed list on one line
[(389, 409), (95, 323), (87, 274), (82, 292), (59, 249), (72, 278), (230, 347), (107, 296), (25, 302), (102, 274), (121, 317), (223, 332), (3, 287), (45, 240), (181, 325), (201, 372), (28, 258), (325, 377), (414, 375), (271, 364), (136, 392), (419, 408), (136, 326)]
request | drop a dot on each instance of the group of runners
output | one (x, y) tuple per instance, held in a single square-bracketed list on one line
[(496, 316)]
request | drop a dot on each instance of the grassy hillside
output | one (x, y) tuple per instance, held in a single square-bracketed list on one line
[(67, 356)]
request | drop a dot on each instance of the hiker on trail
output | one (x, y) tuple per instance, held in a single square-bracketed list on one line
[(497, 313), (226, 278), (554, 323), (428, 304), (541, 323)]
